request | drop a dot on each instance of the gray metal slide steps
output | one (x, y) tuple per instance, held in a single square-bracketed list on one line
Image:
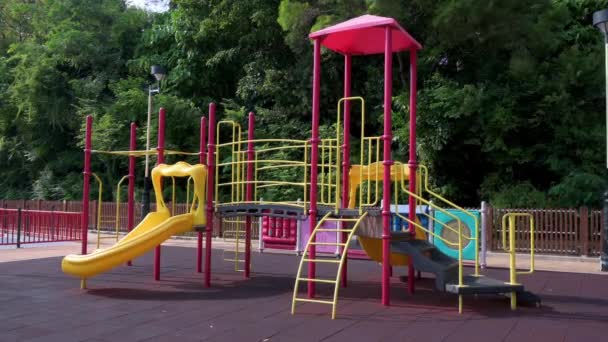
[(428, 258)]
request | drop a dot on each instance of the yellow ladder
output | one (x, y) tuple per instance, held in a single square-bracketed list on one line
[(355, 222), (239, 241)]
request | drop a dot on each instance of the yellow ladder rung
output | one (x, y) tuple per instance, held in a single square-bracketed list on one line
[(314, 301), (340, 219), (323, 260), (328, 244), (326, 281), (334, 230), (236, 260)]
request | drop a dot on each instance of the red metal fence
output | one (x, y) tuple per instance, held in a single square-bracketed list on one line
[(557, 231), (36, 226)]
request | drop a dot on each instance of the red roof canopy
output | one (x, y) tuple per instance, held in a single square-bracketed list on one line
[(364, 35)]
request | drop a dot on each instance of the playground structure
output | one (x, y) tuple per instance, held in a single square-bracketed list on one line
[(242, 180)]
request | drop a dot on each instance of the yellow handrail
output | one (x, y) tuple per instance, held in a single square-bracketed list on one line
[(235, 146), (117, 218), (238, 163), (435, 235), (511, 246), (173, 196), (100, 190), (188, 193), (425, 180), (511, 249), (460, 235)]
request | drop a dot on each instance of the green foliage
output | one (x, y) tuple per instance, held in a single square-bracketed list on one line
[(523, 195), (510, 102)]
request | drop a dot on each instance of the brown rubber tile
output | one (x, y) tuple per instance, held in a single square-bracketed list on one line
[(39, 303)]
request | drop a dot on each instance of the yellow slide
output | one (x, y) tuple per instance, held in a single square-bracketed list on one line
[(375, 172), (152, 231)]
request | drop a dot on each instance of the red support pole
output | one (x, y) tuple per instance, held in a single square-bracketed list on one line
[(386, 193), (160, 160), (346, 155), (131, 195), (314, 160), (203, 142), (85, 185), (249, 192), (210, 192), (412, 162), (202, 160)]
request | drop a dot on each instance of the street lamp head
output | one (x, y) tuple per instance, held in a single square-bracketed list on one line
[(600, 20), (159, 72)]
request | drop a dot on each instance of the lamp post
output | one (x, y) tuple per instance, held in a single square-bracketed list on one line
[(159, 74), (600, 20)]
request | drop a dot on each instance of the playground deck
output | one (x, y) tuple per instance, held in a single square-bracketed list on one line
[(39, 303)]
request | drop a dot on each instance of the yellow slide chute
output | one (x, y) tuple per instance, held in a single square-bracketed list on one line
[(374, 172), (155, 228)]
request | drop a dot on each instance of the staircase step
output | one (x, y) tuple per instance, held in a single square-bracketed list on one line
[(482, 285)]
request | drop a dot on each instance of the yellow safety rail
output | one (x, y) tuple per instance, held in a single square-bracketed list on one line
[(305, 258), (150, 152), (236, 183), (329, 175), (371, 194), (98, 221), (265, 154), (188, 191), (173, 196), (117, 217), (265, 160), (510, 248), (424, 180), (135, 153)]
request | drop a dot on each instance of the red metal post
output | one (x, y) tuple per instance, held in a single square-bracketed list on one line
[(314, 160), (131, 195), (202, 159), (386, 193), (346, 154), (249, 192), (412, 162), (160, 160), (85, 185), (210, 192)]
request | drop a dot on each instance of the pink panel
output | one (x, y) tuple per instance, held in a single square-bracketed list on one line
[(365, 35)]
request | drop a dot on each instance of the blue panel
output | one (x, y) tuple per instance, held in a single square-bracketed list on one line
[(468, 252), (398, 224)]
